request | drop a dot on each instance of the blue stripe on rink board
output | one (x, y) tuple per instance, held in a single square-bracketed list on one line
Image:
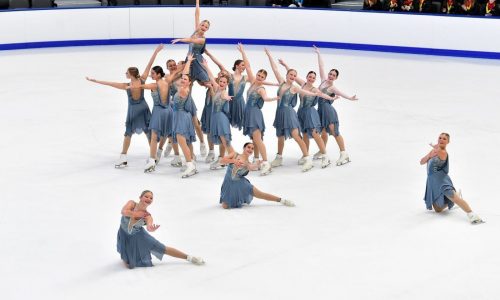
[(293, 43)]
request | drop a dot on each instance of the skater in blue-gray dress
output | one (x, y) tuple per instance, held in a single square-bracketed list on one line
[(236, 190), (439, 190), (253, 121), (138, 113), (327, 113), (286, 120), (134, 244)]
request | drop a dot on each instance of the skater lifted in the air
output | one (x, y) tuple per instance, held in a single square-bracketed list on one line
[(138, 113), (439, 191), (134, 244), (327, 113), (236, 190)]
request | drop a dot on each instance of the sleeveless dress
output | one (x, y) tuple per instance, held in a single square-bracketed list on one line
[(206, 114), (138, 114), (192, 106), (327, 113), (182, 122), (308, 115), (252, 118), (439, 188), (237, 105), (236, 189), (219, 121), (135, 245), (286, 118), (161, 118), (197, 71)]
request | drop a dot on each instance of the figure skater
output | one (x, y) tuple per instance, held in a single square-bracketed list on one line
[(236, 190), (173, 70), (439, 190), (327, 113), (138, 113), (253, 121), (286, 120), (134, 244), (308, 115)]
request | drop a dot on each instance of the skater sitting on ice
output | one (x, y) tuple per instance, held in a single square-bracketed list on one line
[(236, 190), (439, 191), (134, 244)]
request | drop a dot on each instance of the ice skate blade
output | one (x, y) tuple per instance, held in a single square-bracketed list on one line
[(217, 168), (307, 170), (477, 222), (149, 170), (266, 173), (120, 166), (343, 162), (324, 166), (191, 174)]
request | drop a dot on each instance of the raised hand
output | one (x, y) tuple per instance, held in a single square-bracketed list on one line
[(227, 97), (190, 57), (175, 41), (240, 47), (152, 227), (268, 53), (316, 49), (282, 62), (90, 79), (353, 98), (159, 48)]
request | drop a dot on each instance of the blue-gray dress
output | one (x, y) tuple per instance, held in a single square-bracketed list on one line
[(236, 189), (286, 118), (439, 188), (197, 71), (252, 118), (161, 118), (135, 245), (182, 122), (206, 114), (219, 121), (237, 105), (308, 115), (138, 114), (327, 113), (192, 106)]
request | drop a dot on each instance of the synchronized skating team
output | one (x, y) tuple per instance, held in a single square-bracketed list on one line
[(174, 123)]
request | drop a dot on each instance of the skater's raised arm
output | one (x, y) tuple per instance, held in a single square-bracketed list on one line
[(321, 65), (117, 85), (250, 75), (215, 60), (197, 15), (274, 67), (213, 83), (299, 80), (145, 74), (428, 157), (187, 65), (342, 94)]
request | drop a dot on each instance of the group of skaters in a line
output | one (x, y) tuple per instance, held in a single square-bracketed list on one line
[(225, 107)]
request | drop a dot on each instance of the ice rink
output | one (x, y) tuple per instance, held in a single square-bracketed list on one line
[(359, 231)]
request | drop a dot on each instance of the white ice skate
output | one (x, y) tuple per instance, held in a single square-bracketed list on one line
[(317, 155), (203, 149), (122, 162), (325, 161), (308, 165), (195, 260), (150, 166), (474, 218), (265, 168), (216, 165), (168, 149), (210, 157), (302, 161), (190, 170), (158, 155), (176, 162), (343, 158), (286, 202), (278, 161)]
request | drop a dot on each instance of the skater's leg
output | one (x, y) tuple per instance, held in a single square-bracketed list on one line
[(162, 142), (153, 145), (296, 136), (224, 205), (175, 146), (324, 136), (181, 140), (126, 143), (305, 138), (197, 128), (175, 253), (265, 196), (437, 208), (319, 142), (261, 147), (460, 202), (281, 144), (227, 147)]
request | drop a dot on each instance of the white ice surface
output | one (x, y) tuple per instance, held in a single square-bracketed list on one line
[(360, 231)]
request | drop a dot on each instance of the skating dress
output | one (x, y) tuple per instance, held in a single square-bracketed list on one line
[(308, 115), (161, 118), (192, 106), (237, 105), (138, 114), (197, 71), (439, 188), (182, 123), (219, 122), (252, 118), (206, 114), (135, 245), (236, 189), (327, 113), (286, 118)]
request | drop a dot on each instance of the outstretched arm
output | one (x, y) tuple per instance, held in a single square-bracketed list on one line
[(213, 84), (118, 85), (215, 60), (299, 80), (250, 75), (145, 74), (194, 40), (321, 64), (263, 94), (342, 94), (187, 65), (274, 67), (197, 15)]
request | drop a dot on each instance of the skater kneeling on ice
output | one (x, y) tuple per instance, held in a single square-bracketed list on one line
[(134, 244), (439, 191), (236, 189)]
